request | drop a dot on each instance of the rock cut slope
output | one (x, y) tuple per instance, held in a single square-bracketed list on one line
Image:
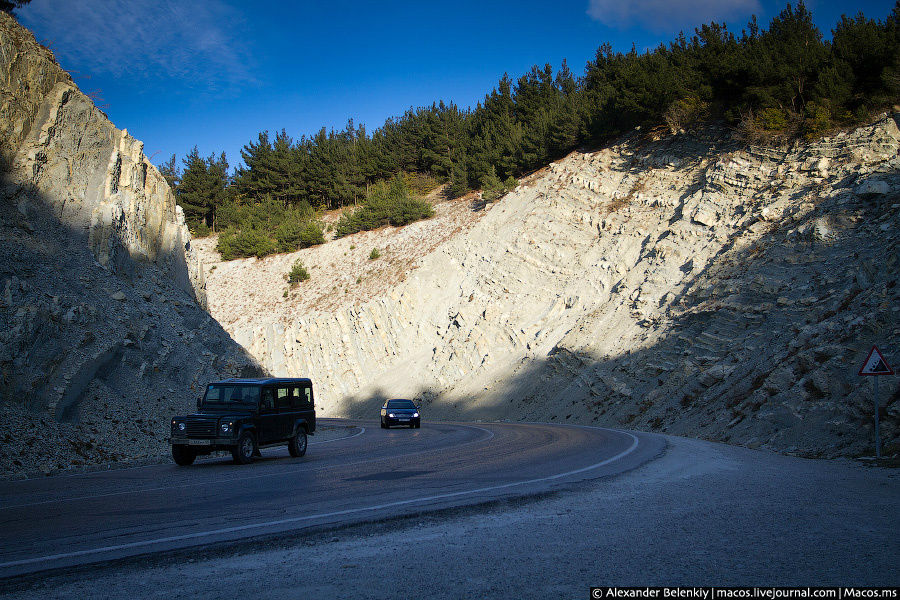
[(689, 284), (102, 338)]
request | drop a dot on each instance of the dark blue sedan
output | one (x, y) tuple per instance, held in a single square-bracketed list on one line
[(400, 412)]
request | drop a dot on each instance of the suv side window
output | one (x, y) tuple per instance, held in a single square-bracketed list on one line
[(302, 397), (282, 397), (267, 401)]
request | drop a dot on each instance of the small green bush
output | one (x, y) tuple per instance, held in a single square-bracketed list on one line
[(375, 254), (491, 186), (817, 121), (294, 235), (772, 119), (420, 183), (239, 244), (298, 274), (685, 113), (385, 204), (200, 229), (459, 181), (265, 226), (409, 210)]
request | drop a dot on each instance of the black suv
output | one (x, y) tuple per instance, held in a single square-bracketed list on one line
[(244, 415)]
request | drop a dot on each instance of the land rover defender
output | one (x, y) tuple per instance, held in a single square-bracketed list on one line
[(244, 415)]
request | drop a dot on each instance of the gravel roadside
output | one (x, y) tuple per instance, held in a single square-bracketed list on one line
[(703, 514)]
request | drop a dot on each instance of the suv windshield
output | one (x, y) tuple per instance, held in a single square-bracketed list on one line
[(401, 404), (228, 395)]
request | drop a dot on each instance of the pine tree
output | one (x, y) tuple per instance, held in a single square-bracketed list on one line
[(459, 181), (202, 187), (171, 173), (9, 6)]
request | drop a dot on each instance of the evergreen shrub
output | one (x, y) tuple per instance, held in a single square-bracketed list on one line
[(386, 204), (240, 244), (818, 120), (200, 230), (266, 226), (492, 188), (298, 274), (294, 235)]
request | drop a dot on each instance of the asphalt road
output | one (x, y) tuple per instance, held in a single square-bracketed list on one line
[(371, 474)]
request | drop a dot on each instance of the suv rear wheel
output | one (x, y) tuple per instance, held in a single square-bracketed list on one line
[(297, 445), (183, 455), (243, 452)]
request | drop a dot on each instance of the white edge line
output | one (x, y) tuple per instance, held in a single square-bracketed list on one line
[(361, 431), (338, 513), (245, 477)]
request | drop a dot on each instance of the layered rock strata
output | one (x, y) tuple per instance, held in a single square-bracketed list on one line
[(57, 146), (102, 338), (689, 284)]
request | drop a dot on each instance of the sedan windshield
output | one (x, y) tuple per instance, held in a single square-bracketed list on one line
[(401, 404), (228, 395)]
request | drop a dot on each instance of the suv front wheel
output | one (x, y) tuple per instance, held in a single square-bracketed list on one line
[(243, 452), (297, 445)]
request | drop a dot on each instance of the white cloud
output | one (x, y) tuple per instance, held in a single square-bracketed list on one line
[(669, 15), (198, 43)]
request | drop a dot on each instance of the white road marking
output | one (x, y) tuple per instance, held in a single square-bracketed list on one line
[(249, 477), (361, 431), (338, 513)]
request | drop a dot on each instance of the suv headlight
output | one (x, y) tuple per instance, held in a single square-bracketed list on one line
[(178, 426), (226, 427)]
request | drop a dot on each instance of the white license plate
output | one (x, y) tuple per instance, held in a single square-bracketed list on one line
[(403, 419), (199, 442)]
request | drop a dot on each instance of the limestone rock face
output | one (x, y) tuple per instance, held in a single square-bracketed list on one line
[(102, 339), (692, 285), (58, 147)]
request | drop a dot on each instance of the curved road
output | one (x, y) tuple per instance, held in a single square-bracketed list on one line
[(368, 475)]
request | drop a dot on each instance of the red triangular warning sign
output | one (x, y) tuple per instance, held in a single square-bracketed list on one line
[(875, 364)]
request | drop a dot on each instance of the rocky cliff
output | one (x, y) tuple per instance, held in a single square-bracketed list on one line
[(689, 284), (102, 338), (56, 144)]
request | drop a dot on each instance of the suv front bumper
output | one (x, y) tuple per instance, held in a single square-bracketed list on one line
[(203, 443)]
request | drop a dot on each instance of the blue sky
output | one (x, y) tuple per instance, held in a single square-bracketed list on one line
[(215, 73)]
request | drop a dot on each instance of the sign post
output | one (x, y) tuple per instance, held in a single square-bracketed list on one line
[(876, 365)]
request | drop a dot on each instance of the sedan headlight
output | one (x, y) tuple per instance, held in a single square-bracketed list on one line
[(226, 427), (391, 415), (415, 414)]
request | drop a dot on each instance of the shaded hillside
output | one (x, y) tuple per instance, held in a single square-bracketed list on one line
[(689, 284), (101, 335)]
